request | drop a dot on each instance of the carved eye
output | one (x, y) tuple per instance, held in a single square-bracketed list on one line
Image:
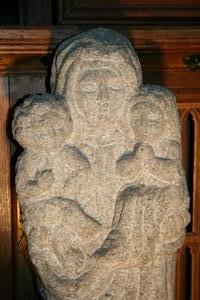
[(135, 115), (115, 84), (88, 87), (116, 88), (58, 131), (153, 116)]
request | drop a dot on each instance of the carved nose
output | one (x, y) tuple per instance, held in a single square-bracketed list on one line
[(103, 93), (103, 97)]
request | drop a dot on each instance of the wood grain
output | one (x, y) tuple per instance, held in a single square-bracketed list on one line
[(5, 197), (192, 241), (180, 273), (127, 11), (41, 40), (161, 51), (37, 12)]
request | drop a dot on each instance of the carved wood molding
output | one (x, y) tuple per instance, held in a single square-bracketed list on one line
[(127, 11), (42, 40), (161, 51)]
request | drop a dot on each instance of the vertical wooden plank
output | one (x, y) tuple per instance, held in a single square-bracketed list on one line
[(183, 278), (196, 176), (180, 266), (193, 241), (180, 273), (5, 197), (195, 250), (196, 209), (183, 115), (24, 283)]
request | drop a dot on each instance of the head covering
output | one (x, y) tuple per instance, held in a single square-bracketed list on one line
[(98, 43)]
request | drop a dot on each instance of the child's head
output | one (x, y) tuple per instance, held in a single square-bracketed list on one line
[(42, 122)]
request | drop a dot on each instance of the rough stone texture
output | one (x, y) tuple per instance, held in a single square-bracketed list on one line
[(100, 182)]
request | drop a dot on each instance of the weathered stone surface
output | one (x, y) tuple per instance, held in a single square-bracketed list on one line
[(100, 182)]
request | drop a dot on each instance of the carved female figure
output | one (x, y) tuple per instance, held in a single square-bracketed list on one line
[(100, 182)]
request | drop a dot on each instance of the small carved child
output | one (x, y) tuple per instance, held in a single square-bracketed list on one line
[(41, 126), (154, 120)]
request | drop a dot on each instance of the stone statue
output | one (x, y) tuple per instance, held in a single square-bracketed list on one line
[(100, 182)]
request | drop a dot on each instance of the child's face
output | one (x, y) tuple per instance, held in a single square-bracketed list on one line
[(147, 120), (43, 127)]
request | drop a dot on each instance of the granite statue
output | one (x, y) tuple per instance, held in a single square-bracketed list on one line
[(100, 182)]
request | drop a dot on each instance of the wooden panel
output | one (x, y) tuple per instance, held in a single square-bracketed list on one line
[(5, 197), (185, 280), (161, 51), (37, 12), (127, 11), (195, 291), (180, 271), (41, 40)]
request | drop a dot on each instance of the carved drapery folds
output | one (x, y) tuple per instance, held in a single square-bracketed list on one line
[(100, 182)]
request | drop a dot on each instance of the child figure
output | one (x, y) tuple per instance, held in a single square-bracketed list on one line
[(41, 127)]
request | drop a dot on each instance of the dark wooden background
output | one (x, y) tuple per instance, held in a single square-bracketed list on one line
[(164, 34)]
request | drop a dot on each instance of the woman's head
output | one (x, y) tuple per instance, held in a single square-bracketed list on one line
[(96, 45), (96, 72)]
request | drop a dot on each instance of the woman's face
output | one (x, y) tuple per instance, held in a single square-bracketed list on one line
[(101, 91)]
